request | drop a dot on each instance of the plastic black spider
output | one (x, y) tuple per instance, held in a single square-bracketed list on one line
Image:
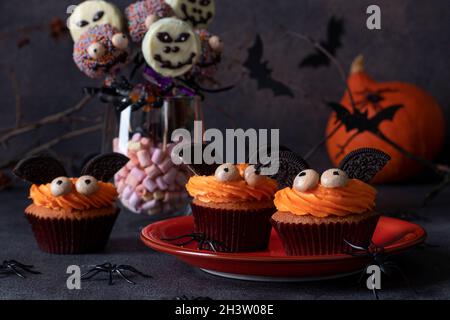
[(17, 268), (379, 258), (111, 270), (203, 242)]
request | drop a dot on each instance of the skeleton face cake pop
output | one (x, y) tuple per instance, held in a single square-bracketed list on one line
[(171, 47), (101, 51), (93, 13), (198, 13), (142, 14)]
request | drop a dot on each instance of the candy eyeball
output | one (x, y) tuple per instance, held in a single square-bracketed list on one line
[(334, 178), (227, 172), (216, 43), (306, 180), (61, 186), (96, 51), (87, 185), (252, 176), (120, 41)]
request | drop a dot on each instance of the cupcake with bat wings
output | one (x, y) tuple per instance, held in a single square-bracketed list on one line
[(320, 214), (71, 215)]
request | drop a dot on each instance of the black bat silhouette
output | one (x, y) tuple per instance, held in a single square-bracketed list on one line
[(260, 71), (360, 120), (335, 31)]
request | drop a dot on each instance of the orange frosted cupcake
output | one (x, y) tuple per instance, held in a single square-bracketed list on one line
[(319, 214), (71, 215), (233, 207)]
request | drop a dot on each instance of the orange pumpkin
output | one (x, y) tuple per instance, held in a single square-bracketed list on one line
[(418, 127)]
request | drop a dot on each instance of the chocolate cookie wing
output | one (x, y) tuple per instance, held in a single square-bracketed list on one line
[(105, 166), (39, 169), (290, 165), (364, 164)]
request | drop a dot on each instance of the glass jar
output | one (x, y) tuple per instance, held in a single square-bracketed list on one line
[(150, 183)]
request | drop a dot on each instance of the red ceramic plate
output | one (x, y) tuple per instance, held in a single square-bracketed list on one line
[(394, 235)]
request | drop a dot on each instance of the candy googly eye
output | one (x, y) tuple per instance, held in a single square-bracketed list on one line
[(120, 41), (334, 178), (96, 50), (252, 176), (216, 43), (61, 186), (306, 180), (227, 172), (87, 185)]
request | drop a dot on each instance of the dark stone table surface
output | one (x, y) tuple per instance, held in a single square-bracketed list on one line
[(427, 268)]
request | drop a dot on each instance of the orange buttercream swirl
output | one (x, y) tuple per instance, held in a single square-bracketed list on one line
[(356, 197), (208, 189), (103, 198)]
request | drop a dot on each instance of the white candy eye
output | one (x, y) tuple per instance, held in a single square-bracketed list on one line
[(306, 180), (61, 186), (120, 41), (87, 185), (227, 172), (252, 177), (334, 178), (216, 44), (96, 50)]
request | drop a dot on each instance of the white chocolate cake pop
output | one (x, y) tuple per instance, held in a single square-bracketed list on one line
[(198, 13), (93, 13), (171, 47)]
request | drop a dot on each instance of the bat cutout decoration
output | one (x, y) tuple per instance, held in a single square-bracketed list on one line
[(43, 169), (260, 71), (335, 31), (363, 164)]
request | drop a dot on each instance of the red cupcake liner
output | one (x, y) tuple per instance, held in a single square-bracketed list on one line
[(234, 230), (70, 236), (325, 238)]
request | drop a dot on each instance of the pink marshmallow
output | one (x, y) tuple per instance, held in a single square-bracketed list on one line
[(130, 165), (121, 185), (126, 194), (135, 200), (141, 190), (161, 184), (144, 158), (150, 205), (145, 143), (136, 137), (170, 176), (152, 172), (123, 173), (158, 156), (150, 185), (138, 174), (166, 165)]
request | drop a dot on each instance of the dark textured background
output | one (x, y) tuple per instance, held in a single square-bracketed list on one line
[(412, 46)]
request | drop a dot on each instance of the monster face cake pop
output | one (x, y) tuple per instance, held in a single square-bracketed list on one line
[(171, 47), (142, 14), (93, 13), (198, 13), (102, 50)]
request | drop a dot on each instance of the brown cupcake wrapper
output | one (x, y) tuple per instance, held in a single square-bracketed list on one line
[(70, 236), (325, 238), (234, 230)]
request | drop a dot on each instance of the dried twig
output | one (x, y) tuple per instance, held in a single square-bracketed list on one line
[(54, 118)]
